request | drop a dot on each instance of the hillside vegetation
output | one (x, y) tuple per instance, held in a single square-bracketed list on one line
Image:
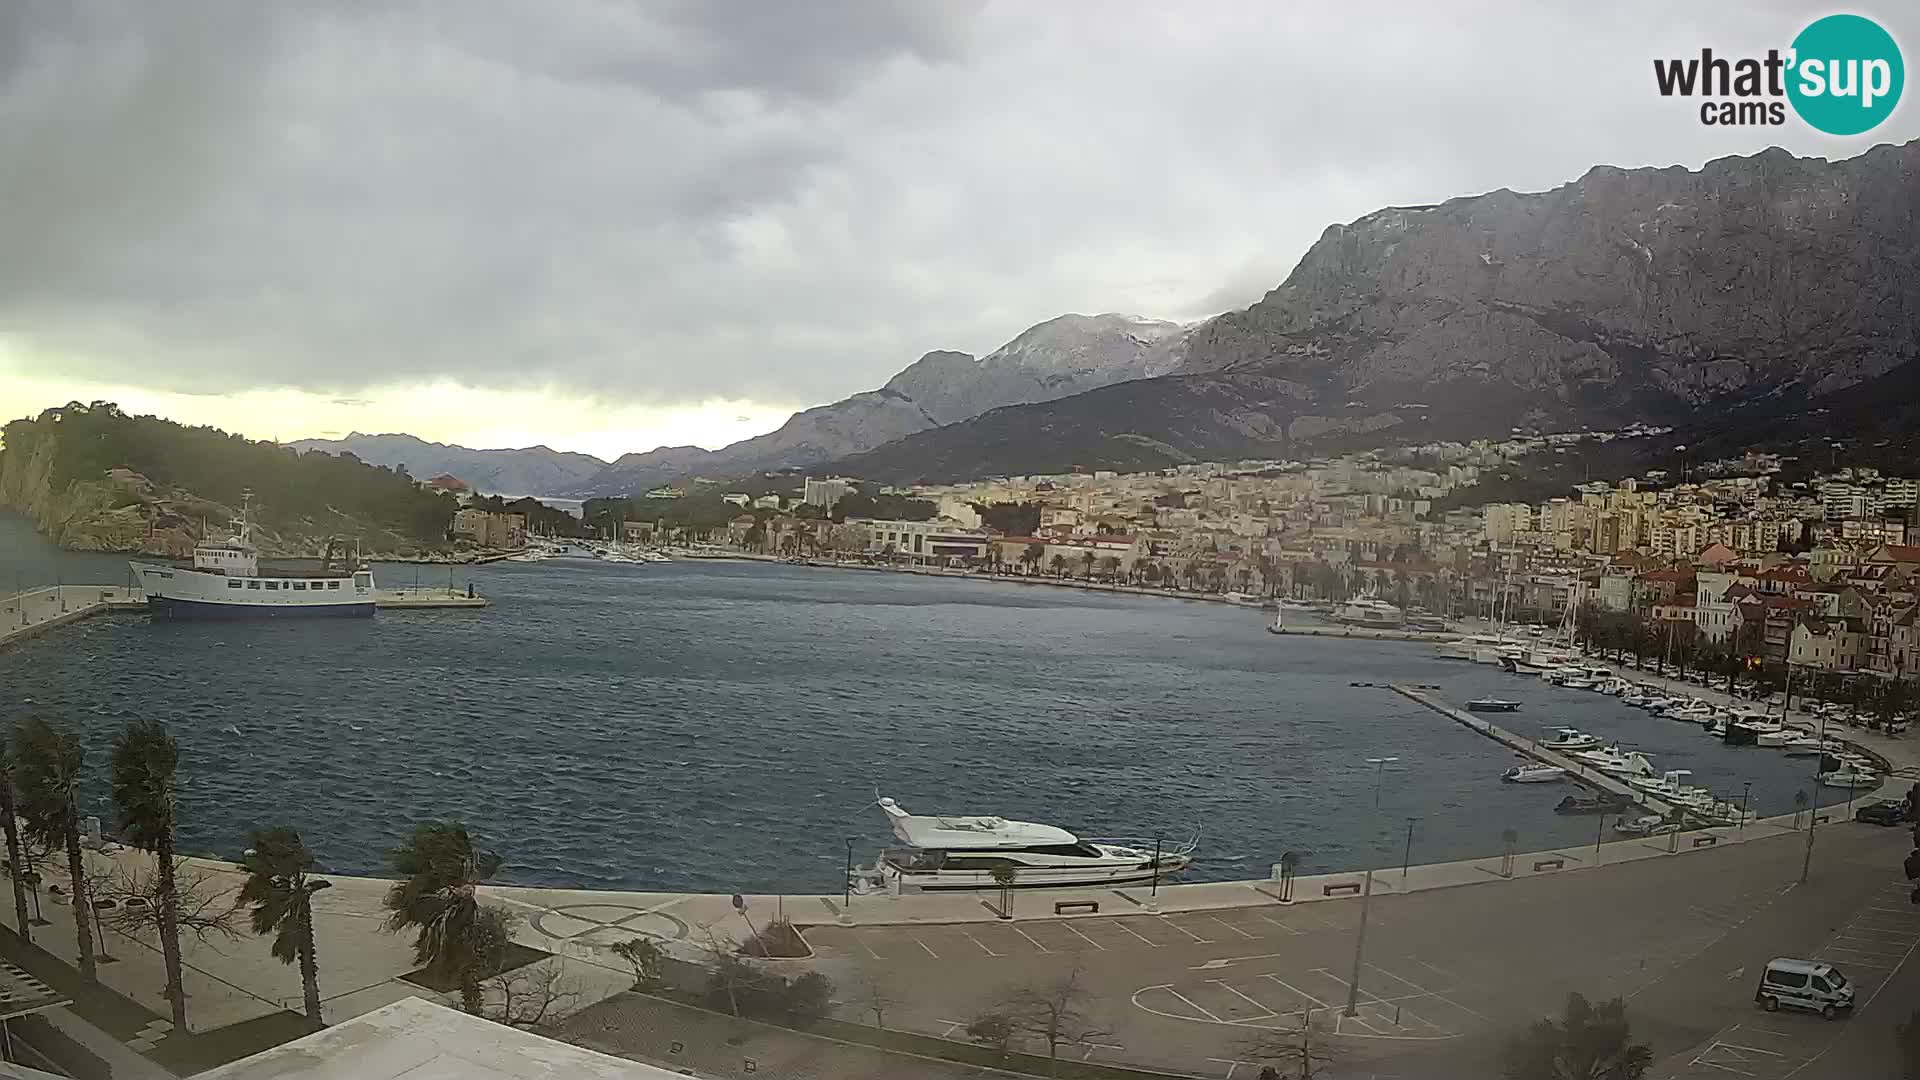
[(94, 478)]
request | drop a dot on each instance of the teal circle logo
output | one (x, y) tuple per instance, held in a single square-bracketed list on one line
[(1846, 75)]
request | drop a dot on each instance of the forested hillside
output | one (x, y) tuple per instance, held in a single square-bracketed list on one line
[(64, 469)]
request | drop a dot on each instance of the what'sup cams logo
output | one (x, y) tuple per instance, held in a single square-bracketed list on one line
[(1842, 75)]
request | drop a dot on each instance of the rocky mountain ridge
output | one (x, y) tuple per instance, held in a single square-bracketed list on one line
[(1657, 294), (1062, 356)]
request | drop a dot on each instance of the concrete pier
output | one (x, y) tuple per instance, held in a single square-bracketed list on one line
[(1369, 633), (36, 611), (1532, 748), (385, 599)]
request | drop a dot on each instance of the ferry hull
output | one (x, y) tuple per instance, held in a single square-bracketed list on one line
[(167, 607)]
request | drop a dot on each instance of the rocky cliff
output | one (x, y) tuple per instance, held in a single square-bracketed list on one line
[(1663, 294)]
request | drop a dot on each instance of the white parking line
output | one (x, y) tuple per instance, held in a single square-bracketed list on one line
[(862, 942), (1424, 992), (1371, 999), (1302, 993), (1235, 929), (1031, 938), (1196, 1005), (1270, 1014), (1084, 937), (1189, 933), (977, 941), (1268, 918), (1122, 924), (927, 947)]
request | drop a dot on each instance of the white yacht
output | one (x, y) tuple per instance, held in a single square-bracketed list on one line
[(1850, 776), (951, 853), (1371, 612), (225, 581), (1479, 648), (1570, 740)]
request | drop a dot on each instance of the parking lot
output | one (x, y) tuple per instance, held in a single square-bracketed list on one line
[(1081, 934), (1446, 975), (1869, 948)]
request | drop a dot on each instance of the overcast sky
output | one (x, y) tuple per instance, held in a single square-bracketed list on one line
[(610, 225)]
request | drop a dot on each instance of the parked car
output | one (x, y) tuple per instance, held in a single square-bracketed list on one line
[(1804, 984), (1884, 812)]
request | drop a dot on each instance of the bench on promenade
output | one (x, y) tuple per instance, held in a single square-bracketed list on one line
[(1092, 907), (1554, 863), (1707, 840), (1344, 886)]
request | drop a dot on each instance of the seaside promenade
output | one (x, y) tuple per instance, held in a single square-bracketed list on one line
[(1184, 970)]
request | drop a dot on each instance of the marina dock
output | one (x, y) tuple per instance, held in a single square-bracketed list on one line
[(1531, 747), (35, 611), (386, 599), (1370, 633)]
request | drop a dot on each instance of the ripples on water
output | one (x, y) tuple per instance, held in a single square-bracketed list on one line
[(717, 726)]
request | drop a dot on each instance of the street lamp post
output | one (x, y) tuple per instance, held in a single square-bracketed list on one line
[(1380, 775), (1813, 814), (1406, 859), (1599, 834), (1746, 792), (846, 900), (1359, 949)]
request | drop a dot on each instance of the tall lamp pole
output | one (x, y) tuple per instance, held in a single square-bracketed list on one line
[(1406, 859), (1380, 775), (1813, 814), (1359, 948)]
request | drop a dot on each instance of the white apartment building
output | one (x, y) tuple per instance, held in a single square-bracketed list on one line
[(824, 493), (925, 542)]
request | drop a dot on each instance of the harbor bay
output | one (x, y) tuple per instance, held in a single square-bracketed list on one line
[(718, 726)]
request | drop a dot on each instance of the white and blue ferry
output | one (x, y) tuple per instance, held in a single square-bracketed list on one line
[(225, 582)]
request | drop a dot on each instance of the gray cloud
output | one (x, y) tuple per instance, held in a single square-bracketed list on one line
[(666, 202)]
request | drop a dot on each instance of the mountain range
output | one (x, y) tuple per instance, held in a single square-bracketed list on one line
[(1059, 357), (535, 470), (1753, 286)]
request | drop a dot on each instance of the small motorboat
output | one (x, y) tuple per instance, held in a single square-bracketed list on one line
[(1577, 682), (1617, 762), (1492, 704), (1796, 745), (1533, 774), (1851, 777), (1606, 803), (1571, 740), (1643, 825)]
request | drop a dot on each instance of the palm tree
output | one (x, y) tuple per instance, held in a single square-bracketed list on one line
[(16, 863), (144, 758), (47, 769), (1086, 564), (440, 871), (282, 897), (1589, 1041), (1058, 564)]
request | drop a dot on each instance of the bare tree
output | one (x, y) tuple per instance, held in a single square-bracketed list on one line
[(1053, 1012), (874, 992), (1301, 1053), (993, 1029), (206, 906), (730, 972), (529, 996)]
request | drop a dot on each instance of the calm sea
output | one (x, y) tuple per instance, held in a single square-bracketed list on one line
[(722, 726)]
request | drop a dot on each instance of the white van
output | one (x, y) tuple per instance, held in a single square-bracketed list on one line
[(1804, 984)]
